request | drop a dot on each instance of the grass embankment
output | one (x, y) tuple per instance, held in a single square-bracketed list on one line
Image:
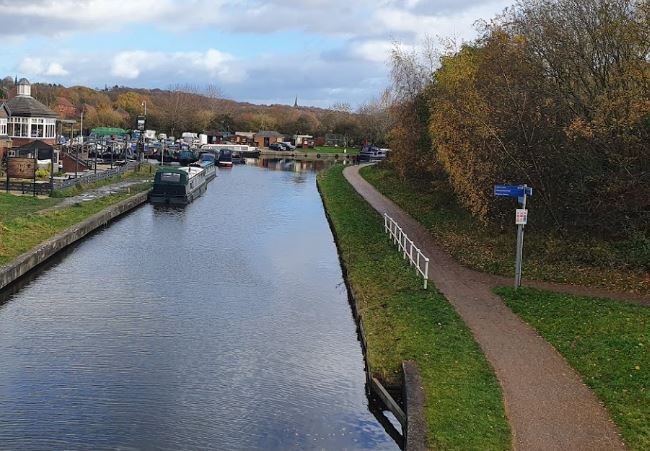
[(580, 260), (21, 232), (608, 344), (464, 408)]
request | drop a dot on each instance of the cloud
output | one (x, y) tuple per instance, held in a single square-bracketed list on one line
[(36, 66), (31, 66), (56, 70), (375, 51), (214, 63), (342, 52)]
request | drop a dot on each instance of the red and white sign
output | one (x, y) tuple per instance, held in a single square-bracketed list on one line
[(521, 216)]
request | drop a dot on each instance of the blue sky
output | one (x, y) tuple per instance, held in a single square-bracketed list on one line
[(260, 51)]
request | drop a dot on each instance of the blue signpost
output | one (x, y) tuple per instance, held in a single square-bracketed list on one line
[(521, 192)]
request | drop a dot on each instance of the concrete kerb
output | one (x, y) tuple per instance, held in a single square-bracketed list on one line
[(31, 259), (412, 412)]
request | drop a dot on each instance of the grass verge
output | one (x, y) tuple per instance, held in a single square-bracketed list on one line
[(18, 234), (464, 407), (578, 260), (606, 342), (13, 206)]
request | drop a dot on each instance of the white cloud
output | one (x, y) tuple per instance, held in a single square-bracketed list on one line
[(56, 70), (31, 66), (375, 51), (343, 53), (214, 63), (36, 66)]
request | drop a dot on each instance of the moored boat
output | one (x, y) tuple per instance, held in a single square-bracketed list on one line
[(225, 158), (178, 186), (373, 154), (207, 162)]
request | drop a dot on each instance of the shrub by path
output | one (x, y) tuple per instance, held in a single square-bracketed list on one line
[(547, 404)]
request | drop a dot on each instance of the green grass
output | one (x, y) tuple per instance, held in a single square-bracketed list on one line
[(578, 260), (464, 407), (14, 206), (20, 233), (608, 344)]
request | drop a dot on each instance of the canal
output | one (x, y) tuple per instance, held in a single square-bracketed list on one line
[(224, 325)]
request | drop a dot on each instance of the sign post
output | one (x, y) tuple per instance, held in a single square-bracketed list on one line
[(521, 192)]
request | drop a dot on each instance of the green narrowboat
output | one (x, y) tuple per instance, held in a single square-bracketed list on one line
[(178, 186)]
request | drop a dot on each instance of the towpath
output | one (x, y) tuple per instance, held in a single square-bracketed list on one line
[(95, 193), (547, 404)]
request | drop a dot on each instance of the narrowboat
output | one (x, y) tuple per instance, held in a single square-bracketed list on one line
[(178, 186)]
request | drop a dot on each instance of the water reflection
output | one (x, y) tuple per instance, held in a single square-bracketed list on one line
[(223, 325)]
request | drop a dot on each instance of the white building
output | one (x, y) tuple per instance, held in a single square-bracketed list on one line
[(29, 119)]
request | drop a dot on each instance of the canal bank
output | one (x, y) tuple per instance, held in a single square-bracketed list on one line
[(53, 217), (463, 407)]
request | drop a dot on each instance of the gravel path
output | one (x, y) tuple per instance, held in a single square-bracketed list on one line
[(547, 404)]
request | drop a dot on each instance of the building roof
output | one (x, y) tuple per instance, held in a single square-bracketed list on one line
[(26, 106), (37, 144), (268, 134), (3, 111)]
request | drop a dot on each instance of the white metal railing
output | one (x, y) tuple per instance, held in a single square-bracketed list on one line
[(407, 247)]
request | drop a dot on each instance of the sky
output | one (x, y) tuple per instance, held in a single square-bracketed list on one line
[(259, 51)]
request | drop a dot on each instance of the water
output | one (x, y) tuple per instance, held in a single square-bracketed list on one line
[(224, 325)]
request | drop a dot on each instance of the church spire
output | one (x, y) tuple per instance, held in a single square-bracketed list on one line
[(295, 103)]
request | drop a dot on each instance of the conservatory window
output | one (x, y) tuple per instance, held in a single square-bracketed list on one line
[(37, 128), (50, 128), (19, 127)]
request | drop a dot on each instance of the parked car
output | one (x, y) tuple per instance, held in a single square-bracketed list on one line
[(276, 146), (288, 146)]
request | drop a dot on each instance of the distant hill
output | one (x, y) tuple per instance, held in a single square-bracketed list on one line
[(186, 108)]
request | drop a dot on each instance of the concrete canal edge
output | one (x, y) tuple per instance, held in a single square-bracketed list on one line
[(410, 413), (24, 263)]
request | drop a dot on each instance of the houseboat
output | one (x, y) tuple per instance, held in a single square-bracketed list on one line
[(178, 186)]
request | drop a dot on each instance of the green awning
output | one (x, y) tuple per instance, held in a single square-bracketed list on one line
[(108, 131)]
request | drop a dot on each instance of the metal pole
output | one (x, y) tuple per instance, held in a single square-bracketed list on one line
[(520, 247)]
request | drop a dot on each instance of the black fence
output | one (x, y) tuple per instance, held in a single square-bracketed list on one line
[(40, 189), (91, 178)]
